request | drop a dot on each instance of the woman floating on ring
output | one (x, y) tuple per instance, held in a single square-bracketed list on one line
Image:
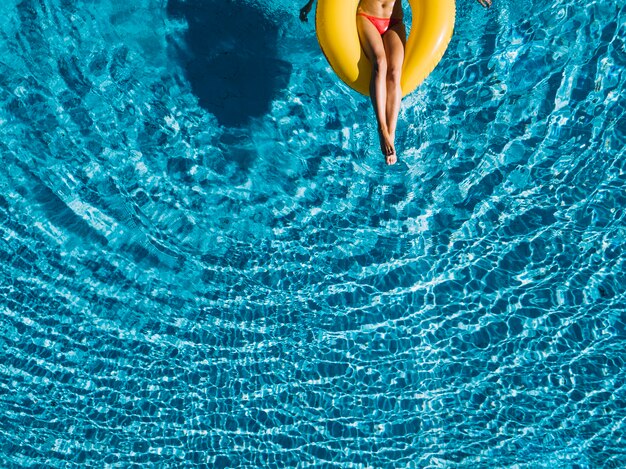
[(383, 38)]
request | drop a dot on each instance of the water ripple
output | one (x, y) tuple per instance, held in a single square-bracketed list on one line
[(178, 290)]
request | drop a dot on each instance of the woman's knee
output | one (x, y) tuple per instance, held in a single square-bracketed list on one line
[(394, 74), (380, 64)]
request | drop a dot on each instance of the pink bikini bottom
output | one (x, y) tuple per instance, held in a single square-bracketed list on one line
[(381, 24)]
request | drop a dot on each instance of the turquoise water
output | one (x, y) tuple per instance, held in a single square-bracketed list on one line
[(206, 263)]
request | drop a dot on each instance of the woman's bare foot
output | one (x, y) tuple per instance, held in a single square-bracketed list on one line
[(386, 146), (393, 157)]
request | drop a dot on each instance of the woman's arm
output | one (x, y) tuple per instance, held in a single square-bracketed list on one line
[(485, 3), (305, 10)]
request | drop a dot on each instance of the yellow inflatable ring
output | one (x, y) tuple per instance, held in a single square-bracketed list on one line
[(431, 30)]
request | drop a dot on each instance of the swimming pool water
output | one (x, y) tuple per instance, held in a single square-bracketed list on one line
[(204, 261)]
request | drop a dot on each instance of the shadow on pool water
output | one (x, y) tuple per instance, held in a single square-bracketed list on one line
[(230, 58)]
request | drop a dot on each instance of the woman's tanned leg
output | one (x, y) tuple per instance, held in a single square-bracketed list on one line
[(393, 41), (373, 46)]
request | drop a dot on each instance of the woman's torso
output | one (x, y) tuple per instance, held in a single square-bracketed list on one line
[(381, 8)]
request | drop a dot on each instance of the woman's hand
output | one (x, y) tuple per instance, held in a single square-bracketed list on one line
[(485, 3), (305, 10)]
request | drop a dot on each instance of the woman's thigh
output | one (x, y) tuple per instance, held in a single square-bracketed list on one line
[(394, 41), (371, 40)]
